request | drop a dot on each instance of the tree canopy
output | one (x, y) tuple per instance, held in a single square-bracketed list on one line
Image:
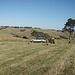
[(39, 34), (70, 25)]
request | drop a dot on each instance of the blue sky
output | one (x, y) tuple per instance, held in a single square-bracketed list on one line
[(45, 14)]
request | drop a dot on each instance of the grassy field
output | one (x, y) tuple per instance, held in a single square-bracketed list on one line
[(17, 57), (21, 58)]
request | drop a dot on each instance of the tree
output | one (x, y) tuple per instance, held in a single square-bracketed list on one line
[(70, 27)]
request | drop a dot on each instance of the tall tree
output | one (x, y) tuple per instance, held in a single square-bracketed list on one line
[(70, 27)]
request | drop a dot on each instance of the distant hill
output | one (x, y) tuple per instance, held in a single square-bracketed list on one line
[(11, 33)]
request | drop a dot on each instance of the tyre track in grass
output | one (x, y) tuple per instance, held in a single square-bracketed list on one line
[(45, 62), (35, 61), (59, 66)]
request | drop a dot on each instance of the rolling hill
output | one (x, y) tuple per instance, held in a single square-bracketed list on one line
[(17, 34)]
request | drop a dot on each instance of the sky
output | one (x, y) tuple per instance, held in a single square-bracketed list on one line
[(44, 14)]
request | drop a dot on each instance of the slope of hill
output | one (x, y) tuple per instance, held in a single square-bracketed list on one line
[(18, 33)]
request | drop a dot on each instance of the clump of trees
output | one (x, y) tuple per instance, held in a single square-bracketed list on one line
[(70, 28), (37, 34), (3, 27)]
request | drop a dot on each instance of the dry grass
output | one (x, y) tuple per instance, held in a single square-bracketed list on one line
[(53, 33), (10, 38), (16, 31), (27, 32), (21, 58)]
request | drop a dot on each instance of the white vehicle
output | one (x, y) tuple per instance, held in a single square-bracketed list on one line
[(38, 40)]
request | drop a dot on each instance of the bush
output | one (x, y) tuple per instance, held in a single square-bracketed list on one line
[(39, 34), (57, 37), (22, 30), (63, 37), (17, 36), (24, 37)]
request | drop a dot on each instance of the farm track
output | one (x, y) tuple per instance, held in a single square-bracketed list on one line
[(20, 58)]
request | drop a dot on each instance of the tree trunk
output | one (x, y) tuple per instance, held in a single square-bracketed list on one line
[(70, 38)]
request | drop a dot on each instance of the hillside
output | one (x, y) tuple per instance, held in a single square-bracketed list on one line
[(27, 32), (11, 33), (17, 34)]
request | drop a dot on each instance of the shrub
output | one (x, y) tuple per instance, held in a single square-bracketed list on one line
[(57, 37), (39, 34), (63, 37), (24, 37), (22, 30), (17, 36)]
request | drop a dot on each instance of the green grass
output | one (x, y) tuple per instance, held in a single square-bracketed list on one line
[(21, 58)]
